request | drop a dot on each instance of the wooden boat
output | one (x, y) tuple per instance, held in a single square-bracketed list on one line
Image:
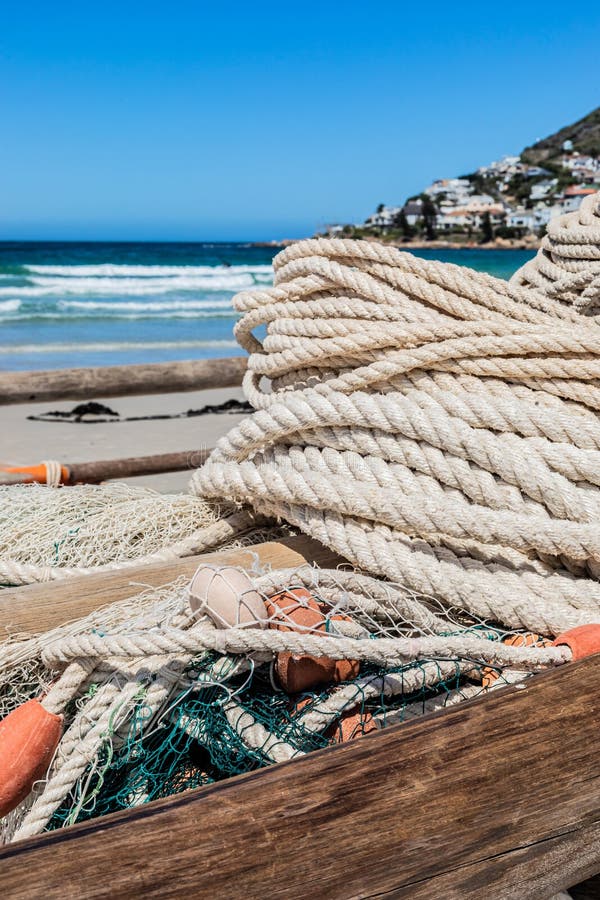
[(495, 798)]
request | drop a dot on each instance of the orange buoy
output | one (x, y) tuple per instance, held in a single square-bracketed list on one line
[(347, 727), (29, 736), (583, 640), (529, 639), (297, 610), (351, 726), (37, 474)]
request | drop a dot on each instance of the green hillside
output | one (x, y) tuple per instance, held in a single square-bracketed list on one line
[(584, 134)]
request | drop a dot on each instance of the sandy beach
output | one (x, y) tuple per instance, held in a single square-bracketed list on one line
[(26, 442)]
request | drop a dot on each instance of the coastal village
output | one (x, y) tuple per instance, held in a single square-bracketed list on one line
[(507, 202)]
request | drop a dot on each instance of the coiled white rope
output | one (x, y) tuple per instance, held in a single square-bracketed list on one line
[(568, 265), (433, 425)]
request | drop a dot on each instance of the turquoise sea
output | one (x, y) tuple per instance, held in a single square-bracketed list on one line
[(88, 304)]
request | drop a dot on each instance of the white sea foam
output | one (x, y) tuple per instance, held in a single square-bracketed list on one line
[(35, 314), (112, 346), (115, 270), (116, 306), (9, 306), (41, 286)]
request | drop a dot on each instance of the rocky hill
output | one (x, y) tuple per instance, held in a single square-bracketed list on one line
[(584, 136), (510, 200)]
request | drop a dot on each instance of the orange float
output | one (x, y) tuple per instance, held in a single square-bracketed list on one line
[(297, 610), (347, 727), (29, 736), (37, 474), (351, 726), (583, 640)]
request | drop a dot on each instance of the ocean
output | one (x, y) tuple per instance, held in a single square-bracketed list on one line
[(92, 304)]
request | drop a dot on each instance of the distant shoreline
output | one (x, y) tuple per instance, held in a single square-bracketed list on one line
[(530, 243), (497, 244)]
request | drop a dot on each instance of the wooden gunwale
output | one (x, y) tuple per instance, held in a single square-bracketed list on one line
[(497, 798), (35, 608)]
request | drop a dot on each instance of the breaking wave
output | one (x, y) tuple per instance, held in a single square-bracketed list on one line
[(82, 302)]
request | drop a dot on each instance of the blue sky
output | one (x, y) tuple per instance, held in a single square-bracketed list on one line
[(189, 120)]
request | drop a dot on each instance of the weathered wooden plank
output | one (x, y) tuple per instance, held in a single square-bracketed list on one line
[(35, 608), (98, 470), (120, 381), (499, 798), (516, 874)]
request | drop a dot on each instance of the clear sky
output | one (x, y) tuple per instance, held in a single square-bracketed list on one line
[(189, 120)]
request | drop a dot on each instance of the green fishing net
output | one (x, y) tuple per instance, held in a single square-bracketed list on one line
[(196, 743)]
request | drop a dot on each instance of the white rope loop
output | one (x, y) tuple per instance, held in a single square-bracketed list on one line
[(53, 472), (387, 652)]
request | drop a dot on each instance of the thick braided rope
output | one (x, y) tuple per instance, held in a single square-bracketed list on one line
[(388, 652), (567, 267), (409, 681), (83, 750), (105, 718), (433, 425)]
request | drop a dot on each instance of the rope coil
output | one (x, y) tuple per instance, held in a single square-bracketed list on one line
[(567, 268), (433, 425)]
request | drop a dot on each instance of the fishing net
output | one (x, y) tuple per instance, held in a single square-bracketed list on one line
[(47, 533), (173, 689)]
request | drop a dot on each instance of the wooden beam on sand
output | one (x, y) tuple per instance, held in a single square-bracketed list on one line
[(497, 798), (35, 608), (103, 469), (121, 381)]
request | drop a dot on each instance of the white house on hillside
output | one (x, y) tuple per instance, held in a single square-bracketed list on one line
[(453, 190), (541, 190), (470, 216), (383, 218), (521, 218), (573, 197)]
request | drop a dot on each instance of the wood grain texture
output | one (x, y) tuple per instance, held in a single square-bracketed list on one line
[(121, 381), (98, 470), (496, 799), (35, 608), (133, 466)]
